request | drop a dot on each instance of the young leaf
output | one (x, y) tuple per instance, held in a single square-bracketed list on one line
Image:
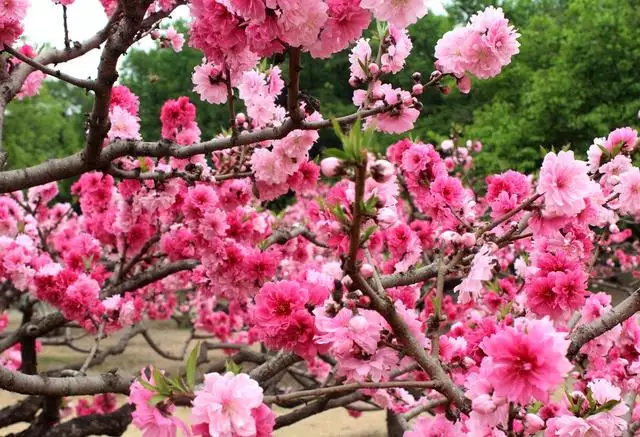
[(192, 362), (367, 233), (336, 153), (156, 399), (161, 383), (146, 385), (232, 367)]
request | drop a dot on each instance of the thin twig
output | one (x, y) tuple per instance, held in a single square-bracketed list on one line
[(93, 351)]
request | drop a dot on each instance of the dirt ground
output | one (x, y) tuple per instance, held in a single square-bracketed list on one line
[(328, 424)]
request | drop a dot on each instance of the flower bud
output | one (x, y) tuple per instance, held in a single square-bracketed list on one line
[(483, 404), (477, 146), (240, 118), (417, 89), (445, 90), (364, 301), (613, 228), (464, 84), (468, 239), (417, 76), (447, 145), (451, 236), (533, 423), (382, 171), (331, 167), (366, 270), (373, 68)]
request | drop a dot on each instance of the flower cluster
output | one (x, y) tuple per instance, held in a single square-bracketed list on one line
[(482, 47)]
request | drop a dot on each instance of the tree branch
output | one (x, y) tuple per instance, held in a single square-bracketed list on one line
[(337, 389), (82, 83), (75, 386), (115, 423), (587, 332), (74, 165)]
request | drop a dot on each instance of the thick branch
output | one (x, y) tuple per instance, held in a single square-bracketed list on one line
[(317, 407), (150, 276), (274, 366), (294, 84), (74, 165), (621, 312), (115, 423), (23, 411), (75, 386)]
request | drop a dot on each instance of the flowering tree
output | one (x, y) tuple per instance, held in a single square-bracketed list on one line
[(389, 284)]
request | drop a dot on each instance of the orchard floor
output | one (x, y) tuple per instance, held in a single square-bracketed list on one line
[(332, 423)]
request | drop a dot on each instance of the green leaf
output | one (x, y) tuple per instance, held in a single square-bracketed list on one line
[(146, 385), (543, 150), (336, 153), (340, 215), (232, 367), (592, 401), (607, 406), (161, 383), (535, 407), (156, 399), (192, 363), (367, 233)]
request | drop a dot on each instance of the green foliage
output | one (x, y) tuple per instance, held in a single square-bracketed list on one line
[(49, 125)]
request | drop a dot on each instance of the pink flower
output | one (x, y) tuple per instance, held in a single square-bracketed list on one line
[(482, 47), (360, 55), (80, 298), (210, 83), (603, 391), (346, 329), (526, 361), (558, 294), (248, 9), (123, 97), (177, 115), (124, 125), (448, 51), (223, 407), (282, 318), (175, 38), (399, 48), (149, 419), (481, 270), (629, 190), (10, 30), (31, 85), (301, 21), (438, 426), (624, 137), (401, 118), (346, 22), (14, 9), (264, 37), (400, 13), (268, 167), (565, 184)]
